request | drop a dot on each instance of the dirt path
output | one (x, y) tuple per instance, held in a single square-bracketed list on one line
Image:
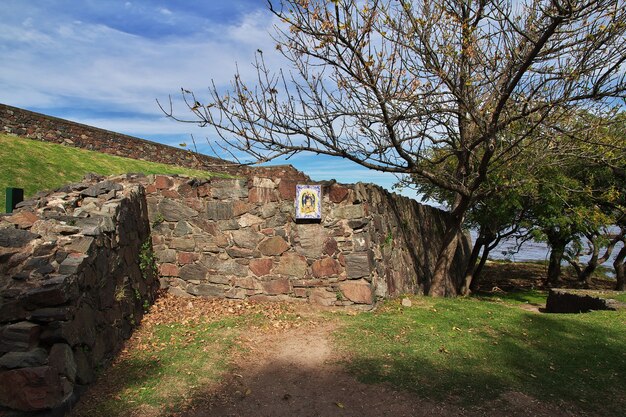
[(295, 372)]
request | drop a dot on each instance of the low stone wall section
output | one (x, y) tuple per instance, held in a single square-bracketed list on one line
[(238, 238), (75, 278), (562, 300)]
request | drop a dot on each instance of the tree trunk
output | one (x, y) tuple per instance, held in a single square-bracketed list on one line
[(479, 269), (554, 268), (620, 269), (441, 284), (470, 270)]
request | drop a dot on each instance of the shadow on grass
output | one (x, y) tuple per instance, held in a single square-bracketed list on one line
[(569, 361), (118, 387)]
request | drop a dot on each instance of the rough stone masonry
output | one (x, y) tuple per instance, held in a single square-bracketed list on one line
[(76, 264)]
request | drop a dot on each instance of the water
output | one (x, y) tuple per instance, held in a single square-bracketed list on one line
[(535, 251)]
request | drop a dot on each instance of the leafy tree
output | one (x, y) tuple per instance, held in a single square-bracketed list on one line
[(580, 196), (412, 87)]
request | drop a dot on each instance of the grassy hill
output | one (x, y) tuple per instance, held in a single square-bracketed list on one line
[(37, 166)]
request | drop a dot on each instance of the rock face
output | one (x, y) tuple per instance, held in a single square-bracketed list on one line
[(73, 283), (579, 301)]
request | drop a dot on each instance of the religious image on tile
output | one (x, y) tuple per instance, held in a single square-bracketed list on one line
[(308, 202)]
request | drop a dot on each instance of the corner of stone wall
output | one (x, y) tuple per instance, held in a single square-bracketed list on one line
[(75, 278)]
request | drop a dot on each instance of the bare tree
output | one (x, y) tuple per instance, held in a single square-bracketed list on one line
[(406, 86)]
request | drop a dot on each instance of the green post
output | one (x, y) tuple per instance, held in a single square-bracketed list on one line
[(14, 197)]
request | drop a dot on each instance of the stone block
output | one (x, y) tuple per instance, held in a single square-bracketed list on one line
[(276, 286), (360, 242), (15, 238), (80, 244), (183, 244), (236, 293), (311, 240), (358, 224), (349, 212), (169, 270), (326, 267), (359, 292), (174, 211), (225, 225), (330, 247), (61, 358), (287, 189), (338, 193), (218, 279), (241, 207), (165, 255), (50, 314), (84, 369), (246, 238), (260, 195), (33, 389), (300, 292), (248, 220), (193, 272), (161, 182), (226, 189), (229, 267), (54, 291), (100, 188), (188, 191), (179, 292), (263, 182), (261, 267), (357, 265), (32, 358), (182, 229), (322, 296), (247, 283), (219, 210), (291, 264), (273, 246), (206, 290), (207, 226), (23, 219), (242, 253), (184, 258)]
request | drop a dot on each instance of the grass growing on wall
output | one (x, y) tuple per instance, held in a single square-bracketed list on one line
[(37, 166)]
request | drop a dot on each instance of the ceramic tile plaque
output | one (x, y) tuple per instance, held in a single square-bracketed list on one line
[(308, 201)]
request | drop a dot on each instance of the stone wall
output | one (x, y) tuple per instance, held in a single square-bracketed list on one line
[(76, 265), (27, 124), (238, 238), (75, 278)]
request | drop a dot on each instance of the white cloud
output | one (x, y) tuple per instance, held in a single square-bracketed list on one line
[(92, 71)]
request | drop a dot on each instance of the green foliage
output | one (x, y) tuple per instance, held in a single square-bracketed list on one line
[(158, 219), (147, 260), (471, 350), (37, 166)]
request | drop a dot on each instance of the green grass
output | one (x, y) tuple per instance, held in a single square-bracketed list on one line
[(471, 350), (532, 297), (37, 166), (165, 370)]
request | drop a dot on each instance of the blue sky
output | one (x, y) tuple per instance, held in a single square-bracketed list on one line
[(105, 62)]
